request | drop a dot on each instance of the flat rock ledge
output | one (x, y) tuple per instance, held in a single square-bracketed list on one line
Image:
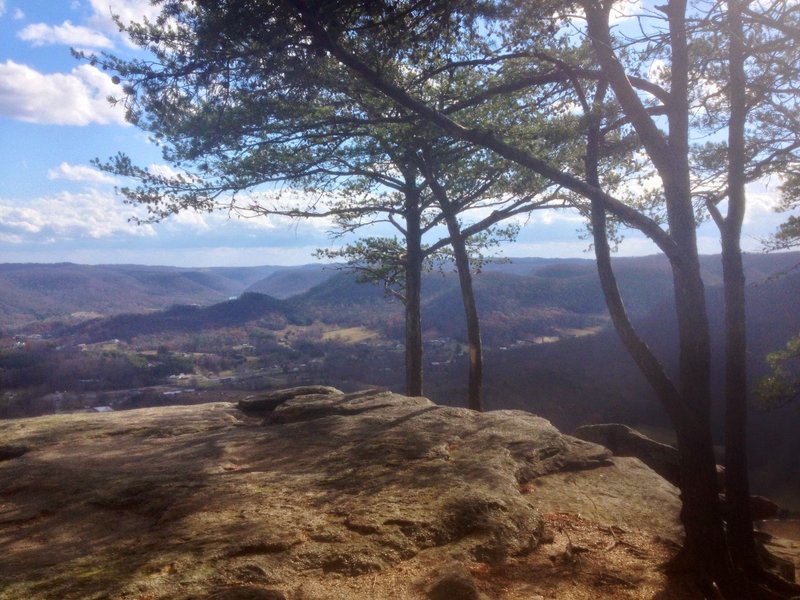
[(311, 494)]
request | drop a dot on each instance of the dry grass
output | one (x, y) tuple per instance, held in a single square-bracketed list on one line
[(351, 335)]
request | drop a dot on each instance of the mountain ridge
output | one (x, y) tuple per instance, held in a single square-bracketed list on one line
[(31, 292)]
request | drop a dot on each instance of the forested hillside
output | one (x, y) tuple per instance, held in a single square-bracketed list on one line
[(33, 292), (549, 347)]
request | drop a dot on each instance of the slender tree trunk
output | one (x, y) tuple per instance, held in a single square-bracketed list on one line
[(702, 515), (737, 486), (458, 243), (700, 512), (474, 400), (641, 353), (414, 258)]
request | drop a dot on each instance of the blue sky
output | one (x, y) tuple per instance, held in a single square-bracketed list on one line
[(54, 207)]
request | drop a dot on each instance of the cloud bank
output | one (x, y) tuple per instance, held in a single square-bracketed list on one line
[(89, 214), (79, 97), (80, 173), (41, 34)]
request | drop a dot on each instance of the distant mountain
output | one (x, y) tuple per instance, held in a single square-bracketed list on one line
[(33, 292), (517, 299), (531, 265), (289, 282), (247, 308)]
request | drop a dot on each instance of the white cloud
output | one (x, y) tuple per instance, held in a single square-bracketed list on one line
[(2, 7), (246, 224), (193, 221), (658, 72), (79, 173), (762, 201), (622, 11), (18, 14), (40, 34), (128, 11), (569, 217), (762, 198), (163, 170), (248, 208), (75, 98), (90, 214)]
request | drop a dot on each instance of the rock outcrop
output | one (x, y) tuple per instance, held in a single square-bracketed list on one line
[(625, 441), (662, 458), (315, 494)]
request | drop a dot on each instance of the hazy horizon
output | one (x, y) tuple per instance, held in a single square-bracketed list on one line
[(312, 262)]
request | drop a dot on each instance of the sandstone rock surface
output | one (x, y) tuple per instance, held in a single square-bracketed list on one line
[(314, 494), (625, 441)]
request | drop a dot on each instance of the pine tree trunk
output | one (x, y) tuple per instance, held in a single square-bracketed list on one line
[(474, 400), (689, 406), (701, 513), (737, 486), (461, 255), (413, 304)]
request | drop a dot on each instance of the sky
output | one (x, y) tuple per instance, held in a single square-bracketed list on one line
[(56, 207)]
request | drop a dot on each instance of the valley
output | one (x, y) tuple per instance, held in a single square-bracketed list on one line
[(549, 348)]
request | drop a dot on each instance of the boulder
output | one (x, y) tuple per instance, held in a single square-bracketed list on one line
[(624, 441), (267, 401), (311, 493), (763, 508), (662, 458)]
